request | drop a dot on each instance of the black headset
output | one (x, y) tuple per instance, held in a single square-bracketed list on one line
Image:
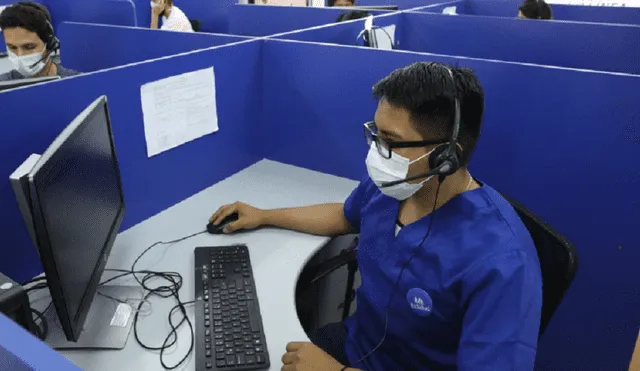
[(51, 43), (444, 160)]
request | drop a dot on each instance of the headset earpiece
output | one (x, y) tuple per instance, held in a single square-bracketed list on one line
[(441, 158), (53, 43)]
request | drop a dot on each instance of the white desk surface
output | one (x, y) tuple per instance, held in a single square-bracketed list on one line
[(277, 257)]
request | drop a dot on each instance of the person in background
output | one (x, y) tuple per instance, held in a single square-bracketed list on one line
[(352, 14), (173, 19), (341, 3), (31, 42), (450, 277), (534, 9)]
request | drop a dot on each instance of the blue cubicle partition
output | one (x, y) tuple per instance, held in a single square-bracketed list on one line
[(114, 12), (594, 46), (344, 33), (402, 4), (21, 351), (579, 141), (150, 184), (123, 45), (554, 138), (561, 12), (256, 20)]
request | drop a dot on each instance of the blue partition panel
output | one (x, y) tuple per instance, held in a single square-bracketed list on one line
[(150, 184), (402, 4), (122, 45), (344, 33), (21, 351), (258, 20), (555, 139), (461, 7), (605, 47), (114, 12), (561, 12)]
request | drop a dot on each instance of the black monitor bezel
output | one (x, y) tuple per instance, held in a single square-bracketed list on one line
[(19, 83), (72, 327)]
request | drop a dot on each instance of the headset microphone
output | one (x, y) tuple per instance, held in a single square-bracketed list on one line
[(444, 167)]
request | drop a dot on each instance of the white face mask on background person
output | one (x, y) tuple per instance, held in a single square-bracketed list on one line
[(382, 170), (29, 65)]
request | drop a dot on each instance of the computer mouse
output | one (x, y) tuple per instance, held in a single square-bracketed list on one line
[(219, 228)]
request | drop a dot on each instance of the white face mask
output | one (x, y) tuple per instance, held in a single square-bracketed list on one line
[(28, 65), (382, 170)]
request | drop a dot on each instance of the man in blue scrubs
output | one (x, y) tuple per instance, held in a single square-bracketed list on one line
[(450, 275)]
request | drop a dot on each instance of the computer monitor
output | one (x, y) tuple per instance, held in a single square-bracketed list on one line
[(12, 84), (374, 7), (77, 204)]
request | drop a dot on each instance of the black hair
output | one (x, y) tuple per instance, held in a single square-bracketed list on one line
[(352, 14), (426, 90), (31, 16), (535, 9), (333, 2)]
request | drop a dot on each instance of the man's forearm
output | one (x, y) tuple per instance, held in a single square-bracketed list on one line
[(321, 220)]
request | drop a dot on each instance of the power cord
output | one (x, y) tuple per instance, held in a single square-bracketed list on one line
[(171, 287)]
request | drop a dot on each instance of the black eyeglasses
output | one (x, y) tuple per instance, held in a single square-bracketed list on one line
[(385, 148)]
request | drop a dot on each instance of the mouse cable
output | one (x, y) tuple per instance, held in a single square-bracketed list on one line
[(169, 288)]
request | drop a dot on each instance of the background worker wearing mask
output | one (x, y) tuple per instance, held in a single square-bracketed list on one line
[(31, 42), (450, 275), (173, 19)]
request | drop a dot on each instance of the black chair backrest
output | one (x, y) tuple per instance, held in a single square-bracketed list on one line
[(195, 24), (558, 261)]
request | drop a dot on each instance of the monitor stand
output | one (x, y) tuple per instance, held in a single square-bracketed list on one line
[(108, 322)]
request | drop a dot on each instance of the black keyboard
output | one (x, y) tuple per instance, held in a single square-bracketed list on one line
[(229, 332)]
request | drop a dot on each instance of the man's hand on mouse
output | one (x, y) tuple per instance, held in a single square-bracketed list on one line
[(249, 217)]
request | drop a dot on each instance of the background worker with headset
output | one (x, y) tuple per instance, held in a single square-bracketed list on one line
[(31, 42), (450, 275), (173, 18), (534, 9)]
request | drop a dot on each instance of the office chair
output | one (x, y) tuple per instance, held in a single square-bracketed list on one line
[(195, 24), (558, 263)]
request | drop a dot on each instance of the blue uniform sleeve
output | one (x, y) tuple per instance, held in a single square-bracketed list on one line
[(503, 297), (356, 201)]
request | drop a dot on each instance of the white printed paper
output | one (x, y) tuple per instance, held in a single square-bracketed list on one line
[(179, 109), (122, 315)]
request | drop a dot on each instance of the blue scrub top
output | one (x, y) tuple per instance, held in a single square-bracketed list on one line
[(469, 300)]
